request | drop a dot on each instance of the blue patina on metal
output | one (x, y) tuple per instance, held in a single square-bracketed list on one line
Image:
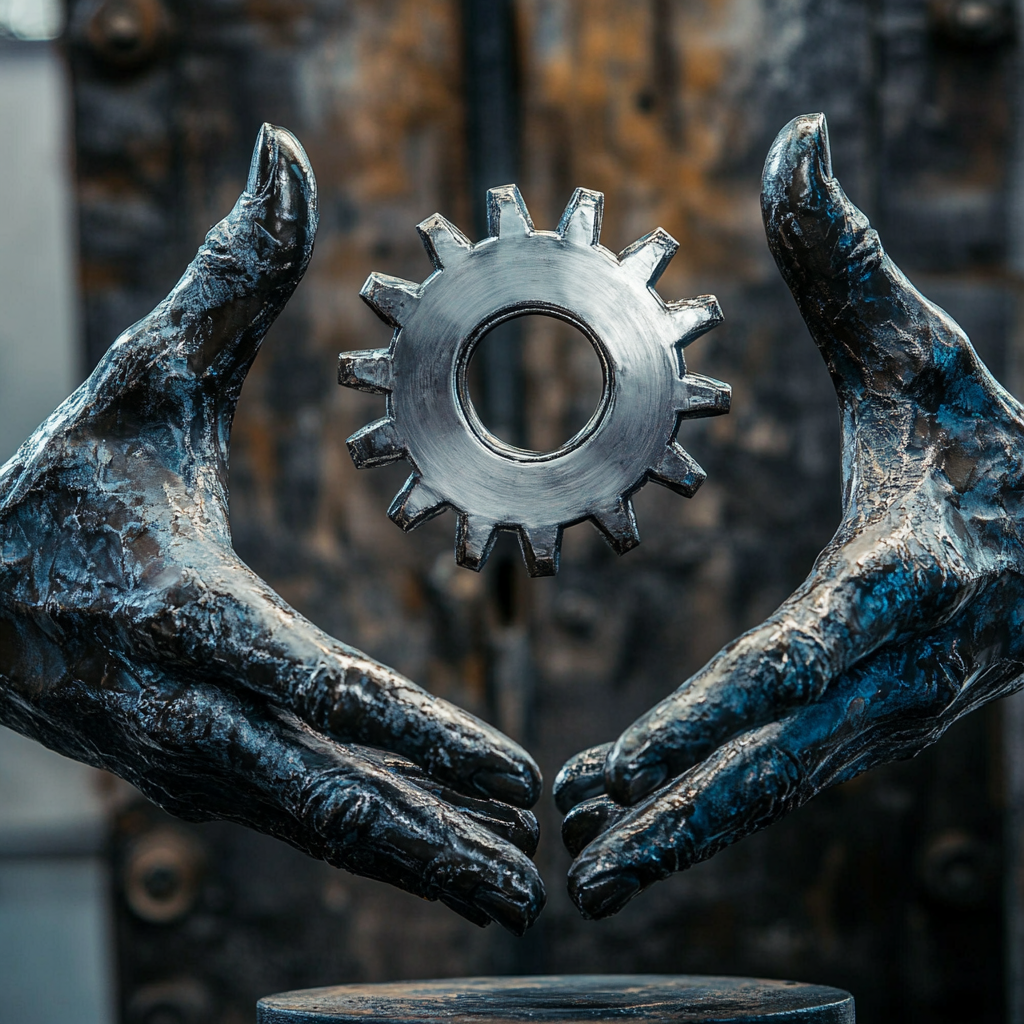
[(911, 616), (132, 636)]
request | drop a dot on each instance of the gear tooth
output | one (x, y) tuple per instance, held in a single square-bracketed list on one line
[(507, 214), (703, 396), (415, 503), (444, 242), (678, 471), (648, 257), (693, 317), (618, 526), (391, 298), (581, 222), (367, 370), (377, 444), (542, 547), (474, 540)]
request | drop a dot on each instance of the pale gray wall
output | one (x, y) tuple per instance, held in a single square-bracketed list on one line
[(56, 962), (39, 362)]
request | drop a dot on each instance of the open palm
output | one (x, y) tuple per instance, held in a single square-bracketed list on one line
[(132, 636), (911, 616)]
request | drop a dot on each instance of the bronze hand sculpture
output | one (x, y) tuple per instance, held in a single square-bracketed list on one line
[(911, 616), (132, 637)]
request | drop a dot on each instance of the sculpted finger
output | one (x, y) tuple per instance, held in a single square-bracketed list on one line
[(876, 331), (210, 326), (580, 778), (204, 753), (884, 584), (743, 786), (377, 824), (516, 826), (513, 824), (888, 707), (587, 820), (225, 619)]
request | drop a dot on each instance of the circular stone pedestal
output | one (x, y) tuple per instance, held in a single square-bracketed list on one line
[(688, 999)]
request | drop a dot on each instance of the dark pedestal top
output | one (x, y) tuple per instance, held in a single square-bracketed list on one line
[(687, 999)]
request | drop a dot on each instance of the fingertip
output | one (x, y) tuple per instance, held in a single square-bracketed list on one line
[(378, 707), (276, 149), (621, 862), (580, 778), (603, 894), (631, 774), (281, 176), (798, 164), (244, 272), (509, 889), (587, 820), (528, 839), (515, 915), (822, 243), (518, 782)]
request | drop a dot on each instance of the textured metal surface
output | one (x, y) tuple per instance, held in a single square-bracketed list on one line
[(134, 638), (431, 422), (911, 616), (594, 997)]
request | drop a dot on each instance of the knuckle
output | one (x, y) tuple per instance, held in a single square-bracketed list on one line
[(177, 718), (341, 809), (795, 660)]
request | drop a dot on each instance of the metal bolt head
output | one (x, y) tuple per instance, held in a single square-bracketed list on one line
[(957, 869), (126, 35), (162, 875), (972, 23)]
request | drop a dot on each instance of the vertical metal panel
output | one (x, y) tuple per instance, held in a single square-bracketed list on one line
[(1013, 708), (1013, 725)]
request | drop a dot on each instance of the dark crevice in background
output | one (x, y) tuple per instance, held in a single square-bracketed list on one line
[(491, 86)]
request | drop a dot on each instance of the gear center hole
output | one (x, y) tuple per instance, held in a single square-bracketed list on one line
[(535, 382)]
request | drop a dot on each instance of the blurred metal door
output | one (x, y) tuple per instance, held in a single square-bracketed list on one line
[(891, 886)]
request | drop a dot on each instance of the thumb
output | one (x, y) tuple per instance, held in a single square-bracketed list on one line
[(879, 336), (210, 326)]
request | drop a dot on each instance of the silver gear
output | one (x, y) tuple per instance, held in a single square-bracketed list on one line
[(517, 270)]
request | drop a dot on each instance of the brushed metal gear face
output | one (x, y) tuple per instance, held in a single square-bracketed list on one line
[(518, 270)]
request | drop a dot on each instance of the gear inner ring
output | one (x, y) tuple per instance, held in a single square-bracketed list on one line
[(468, 408)]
